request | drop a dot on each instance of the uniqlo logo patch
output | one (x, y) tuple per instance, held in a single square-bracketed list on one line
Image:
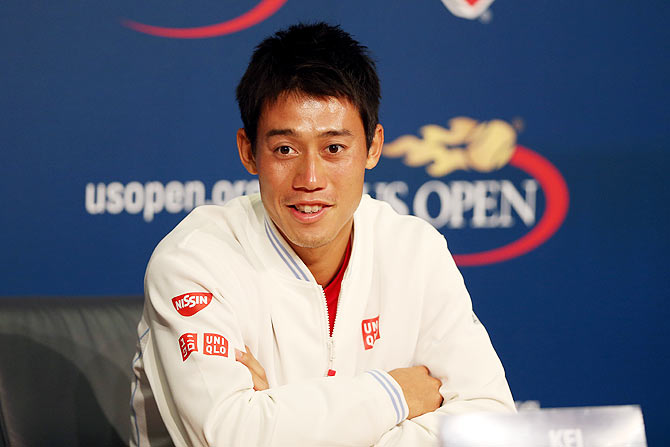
[(191, 303), (370, 332), (188, 343), (215, 344)]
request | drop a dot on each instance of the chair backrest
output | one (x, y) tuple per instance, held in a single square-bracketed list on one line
[(65, 369), (620, 426)]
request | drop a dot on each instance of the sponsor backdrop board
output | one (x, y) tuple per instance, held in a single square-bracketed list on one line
[(532, 134)]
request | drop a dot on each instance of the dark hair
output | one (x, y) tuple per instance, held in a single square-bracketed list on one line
[(318, 60)]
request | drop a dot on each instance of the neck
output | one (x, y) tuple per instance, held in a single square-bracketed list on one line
[(324, 262)]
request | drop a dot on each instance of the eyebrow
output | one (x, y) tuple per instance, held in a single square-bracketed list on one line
[(291, 132)]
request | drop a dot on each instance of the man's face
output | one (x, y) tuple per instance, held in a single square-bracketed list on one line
[(310, 159)]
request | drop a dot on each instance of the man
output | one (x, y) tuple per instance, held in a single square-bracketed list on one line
[(308, 315)]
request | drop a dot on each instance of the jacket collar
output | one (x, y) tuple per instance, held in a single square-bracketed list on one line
[(288, 257), (284, 261)]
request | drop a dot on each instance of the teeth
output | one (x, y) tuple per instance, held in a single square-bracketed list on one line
[(309, 208)]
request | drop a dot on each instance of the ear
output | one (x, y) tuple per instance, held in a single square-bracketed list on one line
[(375, 150), (246, 154)]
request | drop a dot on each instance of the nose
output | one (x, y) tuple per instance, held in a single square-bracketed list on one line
[(310, 174)]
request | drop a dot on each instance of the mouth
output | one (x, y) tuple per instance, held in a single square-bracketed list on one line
[(308, 209), (308, 212)]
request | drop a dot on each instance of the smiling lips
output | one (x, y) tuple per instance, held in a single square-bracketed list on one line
[(308, 212), (309, 209)]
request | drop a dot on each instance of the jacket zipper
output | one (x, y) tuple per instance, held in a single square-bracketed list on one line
[(329, 338)]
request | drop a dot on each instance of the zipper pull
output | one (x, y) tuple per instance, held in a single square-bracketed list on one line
[(331, 357), (331, 352)]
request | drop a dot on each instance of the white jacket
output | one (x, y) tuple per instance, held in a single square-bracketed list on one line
[(225, 278)]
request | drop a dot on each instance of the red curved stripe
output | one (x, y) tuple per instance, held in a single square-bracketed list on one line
[(556, 207), (260, 12)]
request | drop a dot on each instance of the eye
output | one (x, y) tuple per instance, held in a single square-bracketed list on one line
[(335, 148), (284, 150)]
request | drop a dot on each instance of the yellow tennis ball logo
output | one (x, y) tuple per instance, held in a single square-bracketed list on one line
[(466, 145)]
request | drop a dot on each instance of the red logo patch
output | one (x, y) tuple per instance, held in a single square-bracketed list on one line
[(370, 332), (188, 343), (215, 344), (191, 303)]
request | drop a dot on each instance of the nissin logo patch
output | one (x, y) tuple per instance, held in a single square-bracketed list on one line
[(191, 303)]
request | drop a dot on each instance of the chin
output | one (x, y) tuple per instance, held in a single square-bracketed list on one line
[(306, 241)]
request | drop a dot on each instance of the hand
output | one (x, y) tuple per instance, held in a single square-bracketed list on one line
[(254, 367), (421, 390)]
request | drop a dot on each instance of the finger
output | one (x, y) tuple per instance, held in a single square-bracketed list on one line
[(257, 372), (246, 358), (259, 383), (254, 365), (424, 368)]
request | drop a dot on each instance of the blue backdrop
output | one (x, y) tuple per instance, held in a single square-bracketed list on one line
[(549, 183)]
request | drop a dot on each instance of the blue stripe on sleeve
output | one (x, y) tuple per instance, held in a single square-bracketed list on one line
[(384, 383), (397, 394)]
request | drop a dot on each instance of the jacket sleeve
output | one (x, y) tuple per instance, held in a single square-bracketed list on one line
[(205, 397), (456, 348)]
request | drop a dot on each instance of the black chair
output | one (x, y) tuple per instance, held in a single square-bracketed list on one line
[(65, 370)]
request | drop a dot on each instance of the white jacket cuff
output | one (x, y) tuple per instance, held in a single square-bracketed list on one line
[(394, 392)]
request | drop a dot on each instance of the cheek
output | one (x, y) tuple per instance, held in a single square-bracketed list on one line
[(274, 177), (349, 175)]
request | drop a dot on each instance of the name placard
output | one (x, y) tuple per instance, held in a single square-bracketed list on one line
[(620, 426)]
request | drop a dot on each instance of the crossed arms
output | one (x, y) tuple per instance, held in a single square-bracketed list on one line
[(420, 390), (220, 401)]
